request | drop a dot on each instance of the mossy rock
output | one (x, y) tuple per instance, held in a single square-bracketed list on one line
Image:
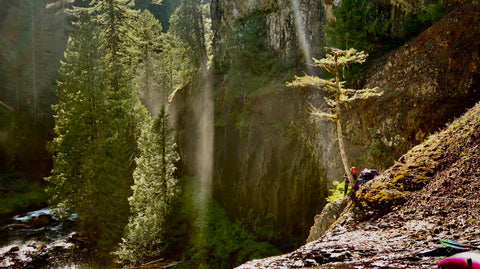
[(413, 178), (381, 195)]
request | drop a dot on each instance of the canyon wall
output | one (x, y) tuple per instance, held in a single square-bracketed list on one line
[(271, 161)]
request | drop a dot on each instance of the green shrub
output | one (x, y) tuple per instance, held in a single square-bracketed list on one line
[(366, 26), (211, 240), (363, 25), (337, 192)]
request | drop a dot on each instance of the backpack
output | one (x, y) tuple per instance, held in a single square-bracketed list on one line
[(368, 174)]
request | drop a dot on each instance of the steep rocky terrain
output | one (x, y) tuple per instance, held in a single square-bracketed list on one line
[(266, 155), (271, 160), (426, 83), (397, 219), (430, 192)]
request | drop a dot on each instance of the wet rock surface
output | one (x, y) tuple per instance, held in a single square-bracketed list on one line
[(393, 241), (329, 215), (40, 240)]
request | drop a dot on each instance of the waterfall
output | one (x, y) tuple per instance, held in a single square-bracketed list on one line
[(300, 27)]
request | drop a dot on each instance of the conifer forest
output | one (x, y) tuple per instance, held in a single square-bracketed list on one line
[(218, 133)]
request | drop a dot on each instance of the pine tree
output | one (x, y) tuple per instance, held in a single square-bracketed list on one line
[(162, 61), (79, 122), (153, 193), (175, 63), (96, 131), (361, 24), (334, 62), (187, 22), (146, 39), (143, 48), (115, 18)]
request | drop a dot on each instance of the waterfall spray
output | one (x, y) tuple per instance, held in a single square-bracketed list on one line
[(300, 26), (204, 154), (204, 159)]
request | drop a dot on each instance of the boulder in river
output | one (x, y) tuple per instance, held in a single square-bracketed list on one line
[(41, 221)]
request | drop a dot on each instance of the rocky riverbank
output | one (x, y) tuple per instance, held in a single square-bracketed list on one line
[(39, 239), (397, 219)]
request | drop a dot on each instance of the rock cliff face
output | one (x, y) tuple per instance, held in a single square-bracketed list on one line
[(266, 157), (285, 21), (429, 193), (271, 160), (371, 127), (269, 166), (399, 217), (266, 165), (426, 83)]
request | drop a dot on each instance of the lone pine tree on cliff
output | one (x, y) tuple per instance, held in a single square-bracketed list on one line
[(337, 96)]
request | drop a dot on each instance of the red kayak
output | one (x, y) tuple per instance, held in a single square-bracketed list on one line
[(465, 260)]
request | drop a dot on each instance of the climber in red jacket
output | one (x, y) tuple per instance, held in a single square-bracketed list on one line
[(353, 170)]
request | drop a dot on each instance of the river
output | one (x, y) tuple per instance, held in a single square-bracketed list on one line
[(39, 239)]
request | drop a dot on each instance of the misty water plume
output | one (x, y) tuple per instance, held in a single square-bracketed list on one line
[(300, 27), (203, 109), (204, 151)]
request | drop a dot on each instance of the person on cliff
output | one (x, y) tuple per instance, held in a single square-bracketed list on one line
[(365, 175), (353, 170)]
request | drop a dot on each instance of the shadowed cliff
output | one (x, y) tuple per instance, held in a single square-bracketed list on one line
[(428, 193), (271, 163)]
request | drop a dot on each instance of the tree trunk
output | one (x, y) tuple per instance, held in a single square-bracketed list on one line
[(341, 143), (164, 158)]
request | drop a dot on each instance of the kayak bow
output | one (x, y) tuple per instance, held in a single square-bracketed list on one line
[(465, 260)]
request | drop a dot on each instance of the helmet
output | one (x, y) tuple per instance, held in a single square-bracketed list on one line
[(353, 169)]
